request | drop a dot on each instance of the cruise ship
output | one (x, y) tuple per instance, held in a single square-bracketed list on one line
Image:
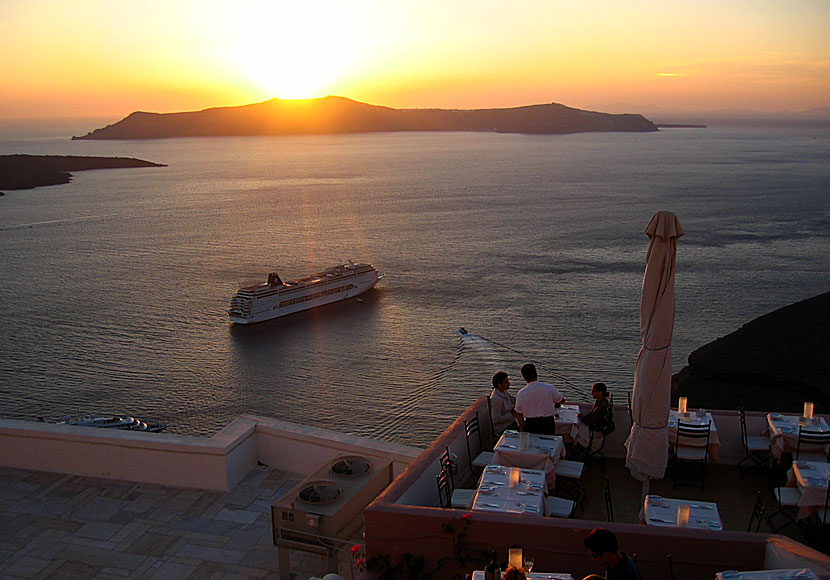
[(276, 298)]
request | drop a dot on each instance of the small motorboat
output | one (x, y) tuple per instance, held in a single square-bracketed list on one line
[(125, 422)]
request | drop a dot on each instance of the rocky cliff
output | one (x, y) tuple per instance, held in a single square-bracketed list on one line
[(341, 115), (774, 363)]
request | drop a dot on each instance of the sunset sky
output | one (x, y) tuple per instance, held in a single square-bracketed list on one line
[(99, 58)]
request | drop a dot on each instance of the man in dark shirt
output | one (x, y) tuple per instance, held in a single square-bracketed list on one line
[(605, 550)]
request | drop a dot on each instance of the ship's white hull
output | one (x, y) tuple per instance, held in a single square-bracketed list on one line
[(296, 298)]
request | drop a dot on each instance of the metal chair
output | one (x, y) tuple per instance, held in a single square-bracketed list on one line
[(447, 463), (787, 498), (448, 496), (691, 447), (757, 513), (630, 411), (596, 438), (444, 489), (609, 506), (812, 445), (483, 458), (756, 447), (672, 575)]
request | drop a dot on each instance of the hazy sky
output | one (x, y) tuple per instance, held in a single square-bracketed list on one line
[(98, 58)]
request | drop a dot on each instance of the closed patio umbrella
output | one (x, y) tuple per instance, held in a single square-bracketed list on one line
[(648, 445)]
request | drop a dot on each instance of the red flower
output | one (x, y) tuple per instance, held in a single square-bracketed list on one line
[(466, 516), (360, 562), (355, 548)]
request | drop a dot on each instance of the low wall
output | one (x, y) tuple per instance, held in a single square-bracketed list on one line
[(215, 463)]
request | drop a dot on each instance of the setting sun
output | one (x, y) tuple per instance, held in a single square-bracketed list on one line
[(288, 50)]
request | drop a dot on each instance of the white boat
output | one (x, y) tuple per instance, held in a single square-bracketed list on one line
[(276, 298)]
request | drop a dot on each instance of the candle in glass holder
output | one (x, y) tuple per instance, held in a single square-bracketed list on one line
[(514, 476), (515, 557), (808, 411), (681, 405), (683, 511)]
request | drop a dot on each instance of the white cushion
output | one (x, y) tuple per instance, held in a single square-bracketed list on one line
[(569, 469), (757, 443), (789, 496), (558, 507), (692, 453), (463, 498), (484, 459)]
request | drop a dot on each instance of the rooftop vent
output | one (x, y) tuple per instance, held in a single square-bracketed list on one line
[(320, 492), (351, 466)]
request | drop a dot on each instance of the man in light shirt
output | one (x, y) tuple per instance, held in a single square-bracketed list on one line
[(536, 403)]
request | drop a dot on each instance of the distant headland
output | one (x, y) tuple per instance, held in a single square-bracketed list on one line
[(30, 171), (342, 115)]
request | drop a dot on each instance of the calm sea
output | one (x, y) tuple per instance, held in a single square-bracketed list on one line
[(115, 287)]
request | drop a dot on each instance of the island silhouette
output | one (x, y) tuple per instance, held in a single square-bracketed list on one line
[(30, 171), (341, 115)]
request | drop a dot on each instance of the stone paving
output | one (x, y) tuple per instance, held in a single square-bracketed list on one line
[(63, 526)]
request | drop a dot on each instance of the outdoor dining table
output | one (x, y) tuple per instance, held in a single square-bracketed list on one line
[(511, 490), (790, 574), (479, 575), (694, 418), (663, 511), (569, 426), (543, 452), (783, 432), (812, 478)]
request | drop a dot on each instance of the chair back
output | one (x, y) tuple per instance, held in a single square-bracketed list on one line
[(444, 489), (630, 409), (471, 427), (742, 415), (757, 513), (447, 464), (609, 507), (693, 433), (811, 442), (672, 575)]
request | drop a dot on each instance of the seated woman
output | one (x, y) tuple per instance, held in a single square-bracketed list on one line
[(598, 418)]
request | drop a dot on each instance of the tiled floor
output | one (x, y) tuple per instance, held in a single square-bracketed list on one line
[(63, 526)]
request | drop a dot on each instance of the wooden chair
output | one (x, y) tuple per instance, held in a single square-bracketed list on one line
[(812, 445), (756, 448), (482, 458), (757, 514), (691, 447)]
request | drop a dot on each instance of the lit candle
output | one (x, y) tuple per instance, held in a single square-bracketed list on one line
[(681, 405), (515, 557), (683, 515), (808, 411), (514, 476)]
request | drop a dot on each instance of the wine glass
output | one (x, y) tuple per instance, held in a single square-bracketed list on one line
[(529, 563)]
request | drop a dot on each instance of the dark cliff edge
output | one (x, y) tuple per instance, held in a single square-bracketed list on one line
[(774, 363), (30, 171), (341, 115)]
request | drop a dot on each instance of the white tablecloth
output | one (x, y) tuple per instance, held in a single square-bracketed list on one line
[(693, 419), (542, 453), (812, 479), (662, 511), (783, 432), (495, 494), (794, 574), (569, 426), (479, 575)]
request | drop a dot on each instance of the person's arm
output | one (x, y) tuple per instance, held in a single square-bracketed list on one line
[(501, 413), (521, 419)]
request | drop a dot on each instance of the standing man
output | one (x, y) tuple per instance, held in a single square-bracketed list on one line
[(536, 403), (502, 403)]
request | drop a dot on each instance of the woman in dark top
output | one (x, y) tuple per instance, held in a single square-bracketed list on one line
[(597, 418)]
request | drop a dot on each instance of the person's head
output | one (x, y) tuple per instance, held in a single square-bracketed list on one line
[(513, 573), (501, 381), (603, 545), (529, 372), (599, 391)]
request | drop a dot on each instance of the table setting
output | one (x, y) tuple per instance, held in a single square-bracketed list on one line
[(529, 450), (783, 431), (700, 418), (667, 512), (788, 574), (511, 490), (812, 479), (479, 575)]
